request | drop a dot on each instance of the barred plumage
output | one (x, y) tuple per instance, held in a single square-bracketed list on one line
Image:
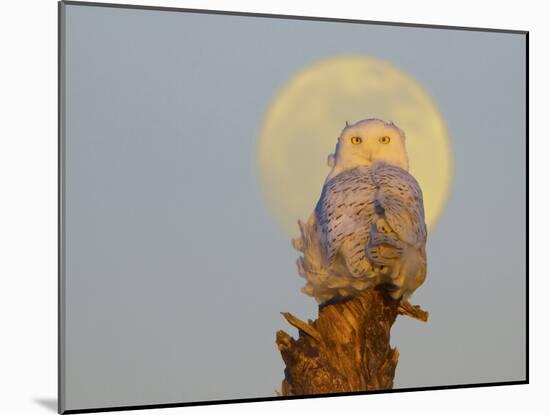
[(368, 227)]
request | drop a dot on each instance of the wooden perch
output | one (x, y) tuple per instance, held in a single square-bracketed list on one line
[(347, 348)]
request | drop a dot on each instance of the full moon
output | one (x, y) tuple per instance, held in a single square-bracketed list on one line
[(303, 122)]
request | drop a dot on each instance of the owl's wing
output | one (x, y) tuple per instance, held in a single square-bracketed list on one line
[(399, 200), (344, 211)]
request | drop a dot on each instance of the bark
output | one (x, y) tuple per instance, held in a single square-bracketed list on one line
[(347, 348)]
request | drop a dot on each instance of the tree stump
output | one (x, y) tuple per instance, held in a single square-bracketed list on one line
[(347, 349)]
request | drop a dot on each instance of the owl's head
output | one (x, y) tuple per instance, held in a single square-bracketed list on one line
[(368, 141)]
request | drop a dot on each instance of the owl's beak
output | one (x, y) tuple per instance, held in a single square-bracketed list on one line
[(368, 154)]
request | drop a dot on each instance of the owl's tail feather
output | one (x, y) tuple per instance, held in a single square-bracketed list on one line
[(408, 275), (384, 247), (300, 243)]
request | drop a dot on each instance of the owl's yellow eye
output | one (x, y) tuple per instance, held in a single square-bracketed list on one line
[(384, 140), (356, 140)]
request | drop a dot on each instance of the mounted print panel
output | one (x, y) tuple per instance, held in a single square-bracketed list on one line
[(260, 207)]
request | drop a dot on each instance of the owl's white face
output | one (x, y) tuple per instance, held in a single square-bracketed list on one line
[(366, 142)]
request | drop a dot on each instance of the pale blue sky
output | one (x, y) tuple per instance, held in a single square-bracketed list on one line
[(175, 270)]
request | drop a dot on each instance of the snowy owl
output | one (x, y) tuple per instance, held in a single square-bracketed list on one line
[(368, 227)]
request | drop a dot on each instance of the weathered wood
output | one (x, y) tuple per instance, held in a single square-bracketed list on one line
[(414, 311), (347, 348)]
